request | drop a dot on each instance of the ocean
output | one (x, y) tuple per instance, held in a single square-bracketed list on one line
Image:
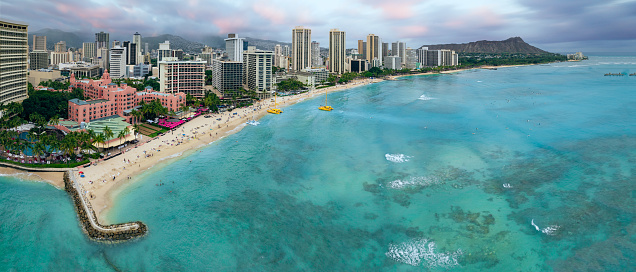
[(516, 169)]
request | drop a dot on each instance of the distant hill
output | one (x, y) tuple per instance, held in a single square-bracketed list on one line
[(176, 42), (511, 45), (53, 36)]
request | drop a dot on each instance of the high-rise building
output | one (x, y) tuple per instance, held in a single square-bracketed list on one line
[(286, 51), (399, 49), (411, 59), (39, 43), (137, 41), (102, 40), (164, 51), (101, 58), (227, 77), (385, 50), (60, 46), (182, 76), (301, 48), (38, 59), (358, 65), (278, 52), (337, 51), (131, 53), (146, 49), (117, 61), (14, 50), (362, 48), (60, 57), (89, 50), (316, 60), (374, 48), (141, 70), (234, 46), (258, 71), (393, 62), (432, 58)]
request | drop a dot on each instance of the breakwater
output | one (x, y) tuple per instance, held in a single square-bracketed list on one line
[(88, 219)]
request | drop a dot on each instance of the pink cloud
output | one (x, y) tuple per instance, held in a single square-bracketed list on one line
[(230, 25), (274, 15), (412, 31)]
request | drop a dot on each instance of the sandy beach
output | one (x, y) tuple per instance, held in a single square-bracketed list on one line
[(104, 180), (53, 178)]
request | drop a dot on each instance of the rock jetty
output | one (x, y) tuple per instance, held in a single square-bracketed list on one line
[(88, 219)]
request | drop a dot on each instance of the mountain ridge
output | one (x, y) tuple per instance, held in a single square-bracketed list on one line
[(510, 45)]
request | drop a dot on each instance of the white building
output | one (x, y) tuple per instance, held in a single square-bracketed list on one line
[(301, 48), (316, 60), (117, 62), (177, 76), (432, 58), (14, 50), (89, 50), (393, 62), (137, 42), (234, 47), (258, 71)]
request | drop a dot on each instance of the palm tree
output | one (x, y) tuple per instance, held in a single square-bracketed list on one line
[(99, 138), (122, 134), (55, 120), (136, 128), (108, 134)]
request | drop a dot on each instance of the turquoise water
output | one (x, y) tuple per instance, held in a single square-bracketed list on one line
[(403, 175)]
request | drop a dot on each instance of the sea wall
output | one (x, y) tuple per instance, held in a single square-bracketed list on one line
[(88, 219)]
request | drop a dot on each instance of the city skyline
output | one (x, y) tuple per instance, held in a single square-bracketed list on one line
[(563, 26)]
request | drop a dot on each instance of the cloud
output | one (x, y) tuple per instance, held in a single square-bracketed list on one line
[(414, 21)]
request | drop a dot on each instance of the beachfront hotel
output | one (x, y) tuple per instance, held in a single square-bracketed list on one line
[(337, 51), (14, 50), (258, 71), (301, 48), (374, 49), (432, 58), (108, 99), (176, 76)]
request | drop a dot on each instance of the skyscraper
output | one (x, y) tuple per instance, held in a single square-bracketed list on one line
[(38, 59), (278, 52), (131, 53), (374, 48), (316, 60), (117, 62), (39, 43), (362, 48), (182, 76), (234, 46), (102, 40), (137, 41), (89, 51), (286, 51), (14, 49), (258, 71), (385, 50), (399, 49), (337, 50), (301, 48)]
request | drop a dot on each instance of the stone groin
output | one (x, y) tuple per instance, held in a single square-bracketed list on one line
[(88, 219)]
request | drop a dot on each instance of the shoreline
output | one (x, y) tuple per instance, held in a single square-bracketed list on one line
[(106, 180), (52, 178)]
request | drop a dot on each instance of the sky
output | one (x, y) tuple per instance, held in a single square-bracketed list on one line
[(553, 25)]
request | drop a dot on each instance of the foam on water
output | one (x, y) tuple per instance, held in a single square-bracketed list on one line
[(239, 127), (172, 156), (425, 98), (397, 158), (550, 230), (413, 182), (420, 250)]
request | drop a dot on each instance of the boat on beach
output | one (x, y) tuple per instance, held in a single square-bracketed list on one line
[(275, 110)]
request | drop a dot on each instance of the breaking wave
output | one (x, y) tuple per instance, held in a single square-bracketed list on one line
[(413, 182), (399, 158), (418, 251), (425, 98), (547, 230)]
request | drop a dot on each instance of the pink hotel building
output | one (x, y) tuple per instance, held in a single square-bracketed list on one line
[(108, 99)]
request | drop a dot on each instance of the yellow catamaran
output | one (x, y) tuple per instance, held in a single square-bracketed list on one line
[(325, 107), (275, 110)]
